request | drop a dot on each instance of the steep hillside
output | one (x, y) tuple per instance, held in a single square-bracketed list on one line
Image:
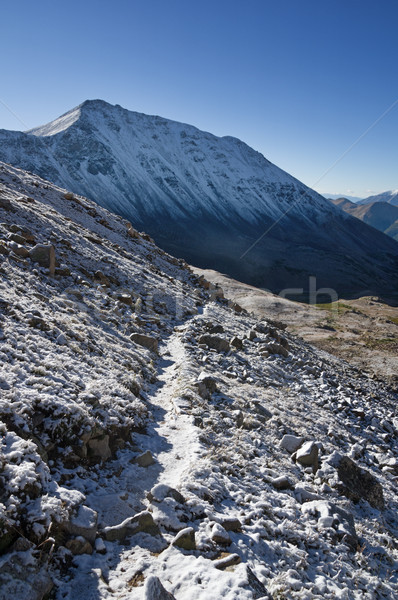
[(206, 199), (378, 214), (158, 442)]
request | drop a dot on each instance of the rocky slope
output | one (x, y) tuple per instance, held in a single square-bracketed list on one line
[(378, 214), (207, 199), (158, 442), (363, 331)]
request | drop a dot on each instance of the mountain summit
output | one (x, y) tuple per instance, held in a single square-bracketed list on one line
[(206, 199)]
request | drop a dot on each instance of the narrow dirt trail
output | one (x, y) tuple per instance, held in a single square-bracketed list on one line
[(170, 437), (173, 439), (121, 491)]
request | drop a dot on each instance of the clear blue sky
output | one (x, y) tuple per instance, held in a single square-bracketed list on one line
[(299, 80)]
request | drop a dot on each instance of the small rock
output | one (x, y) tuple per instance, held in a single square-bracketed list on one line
[(214, 328), (18, 249), (237, 343), (69, 196), (307, 455), (103, 279), (44, 254), (16, 238), (282, 483), (37, 322), (145, 460), (161, 491), (63, 271), (4, 250), (276, 348), (133, 233), (5, 203), (228, 523), (185, 539), (145, 340), (239, 418), (79, 546), (154, 590), (358, 483), (227, 561), (84, 524), (61, 340), (215, 342), (125, 299), (303, 494), (206, 385), (291, 443), (249, 423), (100, 546), (219, 535), (262, 412), (256, 587), (99, 447), (142, 522)]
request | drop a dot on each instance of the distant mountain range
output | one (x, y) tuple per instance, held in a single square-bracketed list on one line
[(390, 197), (378, 214), (207, 199), (338, 196)]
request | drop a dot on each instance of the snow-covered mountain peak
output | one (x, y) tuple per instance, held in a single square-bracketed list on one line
[(205, 198)]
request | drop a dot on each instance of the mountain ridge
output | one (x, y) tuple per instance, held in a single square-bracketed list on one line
[(379, 214), (390, 197), (206, 199)]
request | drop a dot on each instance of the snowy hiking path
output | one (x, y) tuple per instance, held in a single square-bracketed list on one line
[(170, 437), (123, 485)]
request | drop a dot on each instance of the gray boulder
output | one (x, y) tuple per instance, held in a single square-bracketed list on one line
[(185, 539), (145, 460), (84, 523), (44, 254), (147, 341), (291, 443), (307, 455), (357, 483), (154, 590), (141, 523), (215, 342), (20, 579), (206, 385)]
